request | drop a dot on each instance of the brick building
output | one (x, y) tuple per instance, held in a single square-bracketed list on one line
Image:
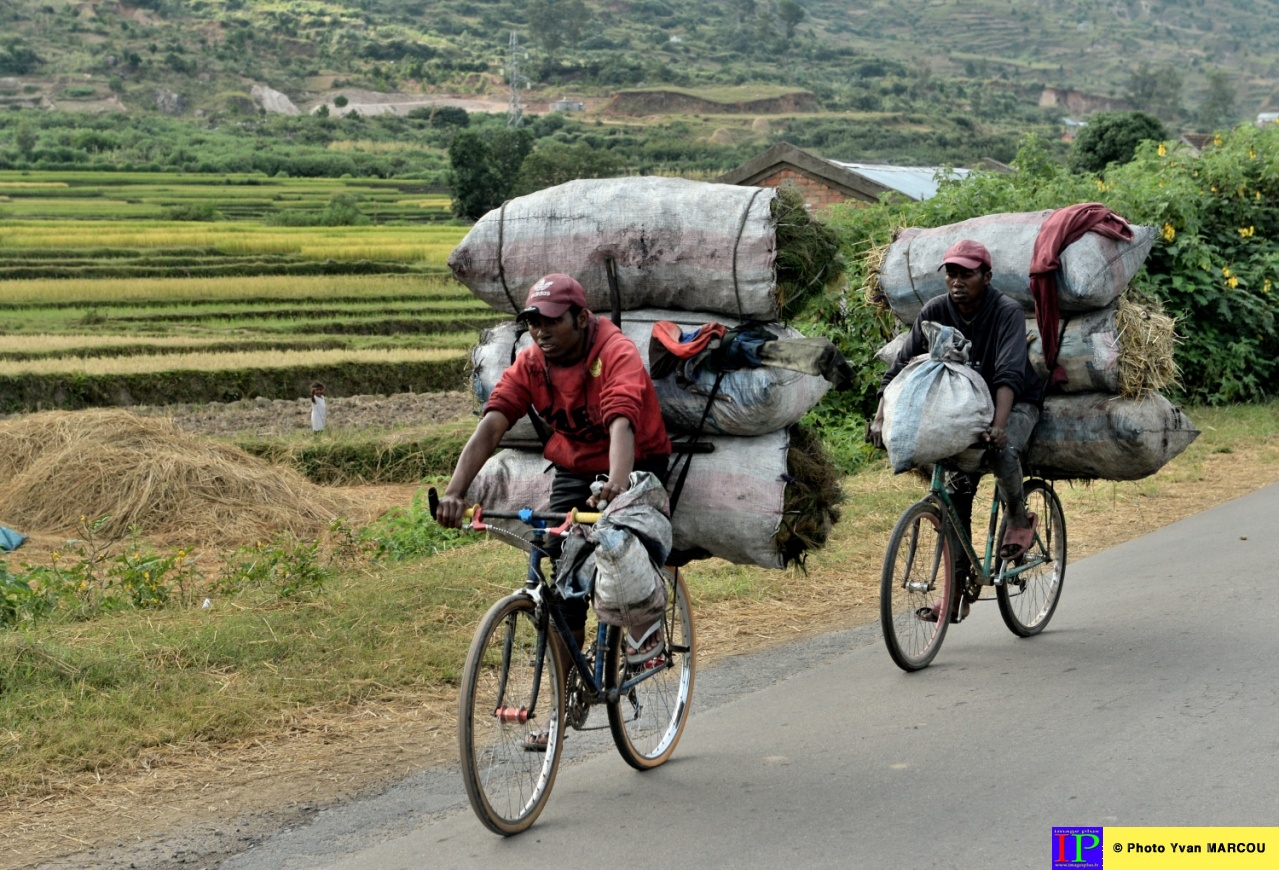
[(826, 182)]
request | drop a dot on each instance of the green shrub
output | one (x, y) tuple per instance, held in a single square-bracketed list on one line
[(412, 533)]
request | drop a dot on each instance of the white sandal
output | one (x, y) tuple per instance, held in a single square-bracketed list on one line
[(636, 653)]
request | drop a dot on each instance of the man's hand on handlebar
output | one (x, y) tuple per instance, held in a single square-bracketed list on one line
[(875, 431), (608, 491), (449, 513), (996, 437)]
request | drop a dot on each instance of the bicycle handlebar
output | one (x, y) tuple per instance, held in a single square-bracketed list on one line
[(476, 514)]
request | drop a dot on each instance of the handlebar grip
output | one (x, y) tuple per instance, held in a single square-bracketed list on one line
[(433, 501)]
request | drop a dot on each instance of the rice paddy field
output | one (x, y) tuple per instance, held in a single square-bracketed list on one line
[(108, 299)]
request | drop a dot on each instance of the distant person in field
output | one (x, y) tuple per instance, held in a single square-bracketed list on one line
[(586, 380), (996, 326), (319, 410)]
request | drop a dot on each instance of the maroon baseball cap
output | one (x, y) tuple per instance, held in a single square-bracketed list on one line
[(551, 296), (966, 253)]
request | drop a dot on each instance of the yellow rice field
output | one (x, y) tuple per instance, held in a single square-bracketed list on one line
[(273, 359), (415, 243), (53, 291)]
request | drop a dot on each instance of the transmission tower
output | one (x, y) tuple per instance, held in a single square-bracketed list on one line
[(514, 53)]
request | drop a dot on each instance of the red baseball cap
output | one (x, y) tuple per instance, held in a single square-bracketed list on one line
[(966, 253), (551, 296)]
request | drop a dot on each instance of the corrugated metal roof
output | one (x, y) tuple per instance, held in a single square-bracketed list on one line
[(917, 182)]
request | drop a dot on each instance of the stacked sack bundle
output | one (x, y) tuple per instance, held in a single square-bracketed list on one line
[(1106, 419), (650, 250)]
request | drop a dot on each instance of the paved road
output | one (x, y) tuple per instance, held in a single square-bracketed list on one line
[(1150, 700)]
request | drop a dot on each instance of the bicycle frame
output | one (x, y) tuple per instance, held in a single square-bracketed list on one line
[(985, 565), (540, 590)]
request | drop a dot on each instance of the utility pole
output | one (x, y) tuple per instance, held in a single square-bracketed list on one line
[(515, 110)]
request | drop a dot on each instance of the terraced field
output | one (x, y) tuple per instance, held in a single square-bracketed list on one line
[(102, 303)]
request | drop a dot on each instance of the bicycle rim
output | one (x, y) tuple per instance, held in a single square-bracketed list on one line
[(1028, 601), (917, 574), (648, 719), (507, 784)]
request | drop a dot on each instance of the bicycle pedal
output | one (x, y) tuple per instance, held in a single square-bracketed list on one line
[(511, 714)]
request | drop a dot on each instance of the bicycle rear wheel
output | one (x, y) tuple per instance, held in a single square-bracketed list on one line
[(648, 719), (1027, 601), (510, 658), (917, 574)]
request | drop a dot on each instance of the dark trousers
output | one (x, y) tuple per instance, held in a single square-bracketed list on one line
[(570, 490), (1004, 464)]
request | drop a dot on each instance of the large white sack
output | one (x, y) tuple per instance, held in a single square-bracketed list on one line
[(676, 243), (1094, 270), (731, 505), (1089, 350), (1100, 436), (937, 405), (751, 401)]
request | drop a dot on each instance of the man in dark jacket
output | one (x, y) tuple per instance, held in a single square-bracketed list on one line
[(586, 381), (996, 326)]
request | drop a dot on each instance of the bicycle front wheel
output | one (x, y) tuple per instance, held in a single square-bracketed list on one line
[(648, 718), (1028, 599), (510, 688), (915, 591)]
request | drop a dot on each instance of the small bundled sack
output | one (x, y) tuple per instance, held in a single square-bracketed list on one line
[(632, 541), (938, 405)]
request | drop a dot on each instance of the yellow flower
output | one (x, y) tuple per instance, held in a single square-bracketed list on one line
[(1225, 271), (57, 557), (1233, 282), (1101, 185), (1265, 288), (1169, 232), (1213, 188), (1163, 150), (1246, 232), (1258, 195), (1216, 140), (1252, 152)]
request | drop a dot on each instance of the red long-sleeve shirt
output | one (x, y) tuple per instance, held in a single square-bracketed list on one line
[(580, 401)]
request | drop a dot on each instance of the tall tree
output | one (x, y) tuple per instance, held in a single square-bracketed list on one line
[(1113, 137), (1156, 90), (791, 14), (485, 169), (1217, 108)]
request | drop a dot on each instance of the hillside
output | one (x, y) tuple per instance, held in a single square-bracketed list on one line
[(875, 55)]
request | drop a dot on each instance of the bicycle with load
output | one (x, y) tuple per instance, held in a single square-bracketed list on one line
[(919, 587), (512, 682)]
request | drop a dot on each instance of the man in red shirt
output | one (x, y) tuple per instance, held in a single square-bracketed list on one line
[(586, 380)]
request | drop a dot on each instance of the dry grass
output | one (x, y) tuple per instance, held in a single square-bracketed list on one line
[(1146, 337), (61, 468), (207, 362)]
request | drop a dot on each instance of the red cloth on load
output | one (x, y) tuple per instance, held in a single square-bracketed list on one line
[(1063, 228)]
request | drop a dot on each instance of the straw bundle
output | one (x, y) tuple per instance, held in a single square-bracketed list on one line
[(807, 250), (872, 263), (1146, 338), (146, 473), (812, 497)]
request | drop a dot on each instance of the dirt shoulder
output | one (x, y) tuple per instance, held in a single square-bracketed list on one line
[(192, 806)]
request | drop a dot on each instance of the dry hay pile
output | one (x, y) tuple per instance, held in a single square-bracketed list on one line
[(148, 474), (1146, 338)]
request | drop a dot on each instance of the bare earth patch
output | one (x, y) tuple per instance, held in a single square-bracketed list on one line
[(191, 806), (272, 417)]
